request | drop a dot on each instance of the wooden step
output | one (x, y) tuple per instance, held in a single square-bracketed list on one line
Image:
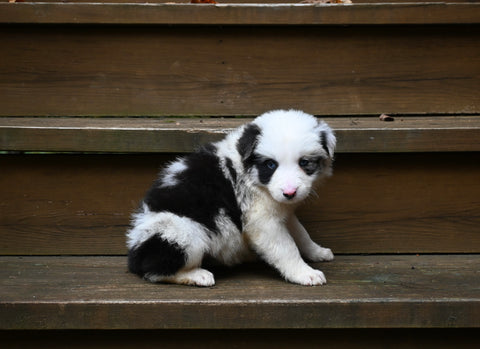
[(406, 186), (178, 135), (114, 59), (377, 203), (115, 12), (362, 292)]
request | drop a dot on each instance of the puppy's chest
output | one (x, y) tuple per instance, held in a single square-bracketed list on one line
[(256, 204)]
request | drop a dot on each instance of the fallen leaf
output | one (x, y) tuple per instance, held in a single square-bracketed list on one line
[(326, 2), (385, 117), (203, 2)]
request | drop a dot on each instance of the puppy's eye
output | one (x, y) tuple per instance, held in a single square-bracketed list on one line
[(309, 166), (304, 162), (271, 164)]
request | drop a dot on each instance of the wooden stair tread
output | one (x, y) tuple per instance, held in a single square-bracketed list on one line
[(362, 291), (243, 14), (124, 135)]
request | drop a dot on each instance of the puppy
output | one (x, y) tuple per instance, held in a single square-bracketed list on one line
[(233, 199)]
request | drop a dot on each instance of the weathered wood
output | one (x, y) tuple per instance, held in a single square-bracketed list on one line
[(178, 135), (238, 70), (250, 1), (241, 14), (362, 292), (244, 339), (403, 203)]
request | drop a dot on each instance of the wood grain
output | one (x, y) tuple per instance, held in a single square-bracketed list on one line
[(273, 2), (178, 135), (81, 204), (238, 70), (242, 14), (362, 292)]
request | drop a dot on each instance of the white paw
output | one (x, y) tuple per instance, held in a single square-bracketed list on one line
[(325, 254), (196, 277), (320, 254), (309, 277)]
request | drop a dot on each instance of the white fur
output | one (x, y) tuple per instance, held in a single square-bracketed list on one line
[(270, 226), (170, 173), (192, 277), (188, 234), (230, 247)]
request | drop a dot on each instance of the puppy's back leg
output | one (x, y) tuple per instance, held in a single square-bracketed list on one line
[(192, 277), (154, 256), (159, 261), (190, 273)]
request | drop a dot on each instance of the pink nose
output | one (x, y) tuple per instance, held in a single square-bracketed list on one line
[(289, 193)]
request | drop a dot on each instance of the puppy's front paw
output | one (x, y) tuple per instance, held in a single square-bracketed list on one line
[(325, 254), (320, 254), (309, 277)]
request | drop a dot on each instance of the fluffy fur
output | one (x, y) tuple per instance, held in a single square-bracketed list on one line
[(233, 199)]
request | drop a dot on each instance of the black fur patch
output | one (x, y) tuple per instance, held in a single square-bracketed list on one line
[(264, 168), (157, 256), (323, 141), (202, 191), (248, 141), (246, 147), (310, 165), (208, 148)]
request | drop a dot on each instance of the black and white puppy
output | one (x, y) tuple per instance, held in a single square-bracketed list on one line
[(233, 199)]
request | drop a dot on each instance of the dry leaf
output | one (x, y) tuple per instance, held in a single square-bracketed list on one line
[(326, 2), (203, 2), (385, 117)]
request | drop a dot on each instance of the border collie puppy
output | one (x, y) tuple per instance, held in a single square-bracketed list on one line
[(235, 199)]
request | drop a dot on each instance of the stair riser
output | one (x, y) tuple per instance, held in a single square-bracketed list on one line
[(374, 203)]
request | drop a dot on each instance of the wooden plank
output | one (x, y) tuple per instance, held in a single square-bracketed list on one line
[(392, 203), (244, 339), (179, 135), (238, 70), (362, 292), (241, 14), (252, 1)]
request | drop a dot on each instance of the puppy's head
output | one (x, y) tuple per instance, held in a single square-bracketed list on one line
[(286, 152)]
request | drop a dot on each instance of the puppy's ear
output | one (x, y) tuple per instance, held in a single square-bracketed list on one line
[(248, 140), (327, 139)]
